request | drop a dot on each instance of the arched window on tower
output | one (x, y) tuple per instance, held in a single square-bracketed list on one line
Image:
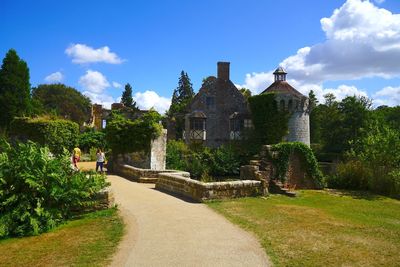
[(282, 105), (290, 105)]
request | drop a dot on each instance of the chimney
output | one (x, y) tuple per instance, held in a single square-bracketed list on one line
[(223, 70)]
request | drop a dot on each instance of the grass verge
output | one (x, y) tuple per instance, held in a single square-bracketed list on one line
[(88, 241), (321, 228)]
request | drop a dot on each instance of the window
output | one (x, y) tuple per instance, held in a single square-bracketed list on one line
[(197, 124), (282, 104), (210, 102), (290, 104), (103, 124), (248, 123), (235, 125)]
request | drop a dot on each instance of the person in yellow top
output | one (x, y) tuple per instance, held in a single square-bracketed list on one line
[(76, 155)]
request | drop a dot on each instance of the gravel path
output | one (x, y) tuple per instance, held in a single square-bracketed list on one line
[(166, 231)]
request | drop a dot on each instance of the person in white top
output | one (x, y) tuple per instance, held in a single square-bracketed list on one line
[(100, 158)]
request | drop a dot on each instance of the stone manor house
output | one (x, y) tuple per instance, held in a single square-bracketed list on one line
[(219, 112)]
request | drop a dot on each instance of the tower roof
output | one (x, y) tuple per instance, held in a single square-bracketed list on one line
[(282, 87), (280, 70)]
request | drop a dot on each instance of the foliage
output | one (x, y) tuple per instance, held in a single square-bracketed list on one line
[(127, 99), (245, 92), (15, 88), (92, 139), (57, 134), (203, 161), (271, 124), (124, 135), (39, 191), (64, 101), (351, 174), (285, 150), (181, 97), (315, 118), (336, 124)]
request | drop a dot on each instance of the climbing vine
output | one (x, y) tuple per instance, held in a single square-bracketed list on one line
[(270, 123), (306, 155)]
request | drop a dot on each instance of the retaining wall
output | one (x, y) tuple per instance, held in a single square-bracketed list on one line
[(142, 175), (199, 191)]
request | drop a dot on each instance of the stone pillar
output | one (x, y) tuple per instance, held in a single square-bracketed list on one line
[(158, 150)]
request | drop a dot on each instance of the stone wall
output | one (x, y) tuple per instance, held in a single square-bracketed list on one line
[(155, 159), (199, 191), (142, 175)]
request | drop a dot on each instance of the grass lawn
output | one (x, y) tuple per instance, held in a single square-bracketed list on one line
[(321, 228), (87, 241)]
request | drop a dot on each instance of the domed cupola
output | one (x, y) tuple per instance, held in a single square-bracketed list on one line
[(280, 74)]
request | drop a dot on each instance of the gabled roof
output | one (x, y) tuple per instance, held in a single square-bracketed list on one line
[(282, 87)]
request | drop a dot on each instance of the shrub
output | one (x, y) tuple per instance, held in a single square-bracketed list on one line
[(203, 161), (125, 136), (90, 139), (39, 191), (350, 175), (57, 134)]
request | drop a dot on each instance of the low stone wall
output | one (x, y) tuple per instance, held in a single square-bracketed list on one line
[(105, 198), (142, 175), (199, 191)]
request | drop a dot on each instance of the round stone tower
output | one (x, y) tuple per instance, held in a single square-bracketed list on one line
[(295, 103)]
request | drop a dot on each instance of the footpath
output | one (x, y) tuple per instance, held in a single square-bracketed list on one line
[(163, 230)]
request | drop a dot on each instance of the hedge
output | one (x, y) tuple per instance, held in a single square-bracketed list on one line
[(57, 134)]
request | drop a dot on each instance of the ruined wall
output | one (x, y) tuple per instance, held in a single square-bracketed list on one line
[(155, 159), (199, 191)]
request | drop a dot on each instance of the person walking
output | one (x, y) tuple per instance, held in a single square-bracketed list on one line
[(100, 158), (76, 156)]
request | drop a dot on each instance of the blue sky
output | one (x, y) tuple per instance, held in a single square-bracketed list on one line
[(96, 46)]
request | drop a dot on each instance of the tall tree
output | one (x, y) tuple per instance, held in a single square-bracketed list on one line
[(127, 99), (15, 88), (64, 101), (315, 116), (245, 92), (181, 97)]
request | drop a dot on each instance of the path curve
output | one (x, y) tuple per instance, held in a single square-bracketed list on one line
[(166, 231)]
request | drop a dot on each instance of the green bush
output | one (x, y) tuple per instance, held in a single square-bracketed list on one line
[(39, 191), (125, 135), (57, 134), (350, 175), (90, 139), (203, 161)]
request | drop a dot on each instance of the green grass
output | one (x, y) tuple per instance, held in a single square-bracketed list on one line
[(88, 241), (321, 228)]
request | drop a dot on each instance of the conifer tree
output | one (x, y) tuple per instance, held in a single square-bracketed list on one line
[(181, 97), (15, 88), (127, 99)]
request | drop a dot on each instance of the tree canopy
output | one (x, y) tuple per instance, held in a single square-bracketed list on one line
[(127, 99), (64, 101), (15, 88), (181, 97)]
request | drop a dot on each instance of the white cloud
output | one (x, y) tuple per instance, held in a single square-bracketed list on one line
[(389, 96), (116, 85), (82, 53), (150, 99), (94, 81), (362, 41), (102, 99), (55, 77), (379, 1)]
